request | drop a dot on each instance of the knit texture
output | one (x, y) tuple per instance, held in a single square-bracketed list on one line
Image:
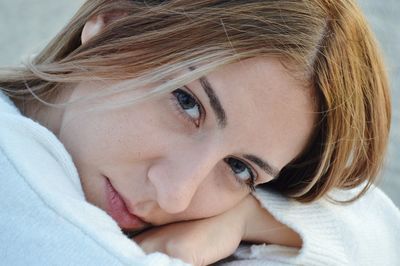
[(366, 232)]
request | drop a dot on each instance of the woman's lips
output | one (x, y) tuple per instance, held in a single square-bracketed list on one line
[(117, 209)]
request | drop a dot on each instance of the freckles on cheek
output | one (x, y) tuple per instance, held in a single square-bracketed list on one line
[(87, 136), (120, 134)]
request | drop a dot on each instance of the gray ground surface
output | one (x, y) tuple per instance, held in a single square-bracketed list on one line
[(27, 25)]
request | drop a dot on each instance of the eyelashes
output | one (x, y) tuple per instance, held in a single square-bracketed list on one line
[(189, 105), (191, 109), (243, 173)]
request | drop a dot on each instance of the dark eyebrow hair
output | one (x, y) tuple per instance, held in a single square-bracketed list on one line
[(213, 99), (270, 170), (214, 102)]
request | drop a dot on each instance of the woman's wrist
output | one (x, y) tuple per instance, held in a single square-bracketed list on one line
[(261, 227)]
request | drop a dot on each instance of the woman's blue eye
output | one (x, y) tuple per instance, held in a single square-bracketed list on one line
[(243, 173), (189, 105)]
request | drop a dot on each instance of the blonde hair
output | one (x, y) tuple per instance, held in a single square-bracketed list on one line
[(328, 41)]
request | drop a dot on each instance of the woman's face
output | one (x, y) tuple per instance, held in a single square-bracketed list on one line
[(193, 153)]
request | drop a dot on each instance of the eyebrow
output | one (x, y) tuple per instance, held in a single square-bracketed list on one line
[(214, 102), (222, 122), (270, 170)]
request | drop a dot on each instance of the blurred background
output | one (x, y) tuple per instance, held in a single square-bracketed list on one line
[(27, 25)]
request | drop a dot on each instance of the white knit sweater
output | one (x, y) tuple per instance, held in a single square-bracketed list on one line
[(45, 220)]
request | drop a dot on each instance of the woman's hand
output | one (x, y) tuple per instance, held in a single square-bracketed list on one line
[(202, 242), (198, 242)]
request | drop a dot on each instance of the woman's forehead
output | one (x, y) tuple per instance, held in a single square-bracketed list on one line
[(267, 109)]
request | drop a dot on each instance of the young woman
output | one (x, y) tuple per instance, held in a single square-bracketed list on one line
[(195, 126)]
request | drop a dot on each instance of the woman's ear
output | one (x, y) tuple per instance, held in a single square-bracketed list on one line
[(92, 27), (97, 23)]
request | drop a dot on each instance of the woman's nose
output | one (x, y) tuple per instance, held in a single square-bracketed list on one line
[(177, 179)]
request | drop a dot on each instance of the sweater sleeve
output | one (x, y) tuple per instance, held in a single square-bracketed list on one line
[(365, 232), (316, 225)]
